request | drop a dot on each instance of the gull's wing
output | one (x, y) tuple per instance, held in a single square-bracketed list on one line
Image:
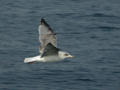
[(46, 35), (50, 50)]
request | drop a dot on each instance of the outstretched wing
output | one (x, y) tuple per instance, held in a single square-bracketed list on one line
[(50, 50), (46, 35)]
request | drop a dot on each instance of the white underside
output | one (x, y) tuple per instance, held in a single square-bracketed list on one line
[(48, 58), (44, 59)]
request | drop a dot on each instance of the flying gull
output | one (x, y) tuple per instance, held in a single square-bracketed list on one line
[(48, 46)]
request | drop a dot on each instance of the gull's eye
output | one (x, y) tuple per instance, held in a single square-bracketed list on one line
[(66, 54)]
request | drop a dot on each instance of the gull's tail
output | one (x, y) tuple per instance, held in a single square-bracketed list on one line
[(31, 59)]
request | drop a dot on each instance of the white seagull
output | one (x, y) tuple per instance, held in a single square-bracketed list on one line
[(48, 48)]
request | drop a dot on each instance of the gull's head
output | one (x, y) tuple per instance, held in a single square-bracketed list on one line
[(64, 55)]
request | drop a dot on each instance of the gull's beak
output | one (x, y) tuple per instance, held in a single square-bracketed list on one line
[(71, 56)]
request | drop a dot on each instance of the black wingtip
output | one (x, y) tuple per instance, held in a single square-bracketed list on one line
[(43, 20)]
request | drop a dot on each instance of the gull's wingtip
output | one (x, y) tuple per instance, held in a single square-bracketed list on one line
[(43, 20)]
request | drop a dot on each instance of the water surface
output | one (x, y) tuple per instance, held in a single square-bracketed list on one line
[(88, 29)]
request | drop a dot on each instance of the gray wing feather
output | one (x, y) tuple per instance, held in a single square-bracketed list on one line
[(46, 35), (50, 50)]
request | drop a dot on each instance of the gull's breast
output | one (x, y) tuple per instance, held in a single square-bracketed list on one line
[(52, 59)]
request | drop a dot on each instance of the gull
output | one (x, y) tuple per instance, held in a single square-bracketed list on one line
[(48, 46)]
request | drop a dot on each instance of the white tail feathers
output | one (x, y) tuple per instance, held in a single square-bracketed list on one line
[(29, 60), (32, 59)]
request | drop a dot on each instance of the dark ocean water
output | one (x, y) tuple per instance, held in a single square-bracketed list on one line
[(88, 29)]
